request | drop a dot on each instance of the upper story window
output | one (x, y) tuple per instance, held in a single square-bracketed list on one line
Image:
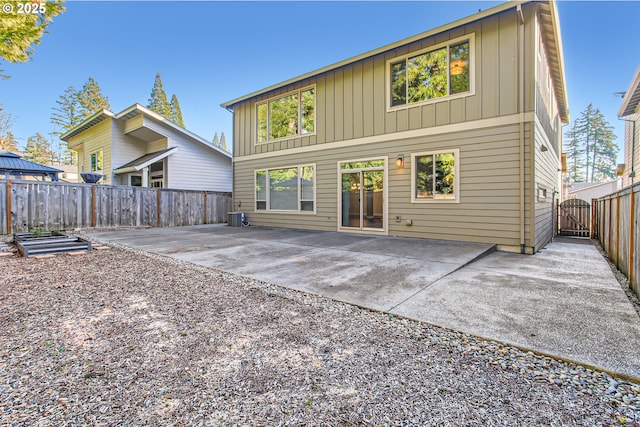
[(444, 70), (290, 115)]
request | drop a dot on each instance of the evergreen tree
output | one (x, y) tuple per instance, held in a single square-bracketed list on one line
[(38, 150), (158, 101), (75, 106), (575, 161), (223, 142), (176, 113), (591, 137), (91, 100), (9, 143), (66, 115), (216, 141), (20, 32)]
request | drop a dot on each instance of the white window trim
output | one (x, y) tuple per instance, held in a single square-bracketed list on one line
[(91, 153), (472, 72), (456, 178), (267, 201), (385, 198), (282, 95)]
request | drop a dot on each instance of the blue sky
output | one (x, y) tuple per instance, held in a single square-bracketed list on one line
[(209, 52)]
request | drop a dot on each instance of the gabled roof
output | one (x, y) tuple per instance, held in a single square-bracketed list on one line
[(144, 161), (551, 34), (12, 162), (134, 110), (631, 97)]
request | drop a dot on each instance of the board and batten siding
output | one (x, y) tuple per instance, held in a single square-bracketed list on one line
[(351, 101), (489, 187)]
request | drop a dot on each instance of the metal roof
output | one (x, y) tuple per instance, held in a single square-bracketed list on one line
[(551, 34), (631, 97), (11, 162)]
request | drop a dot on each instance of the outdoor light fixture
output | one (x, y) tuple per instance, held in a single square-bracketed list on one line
[(543, 148), (400, 161)]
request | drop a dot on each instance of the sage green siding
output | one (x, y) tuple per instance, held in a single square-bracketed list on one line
[(351, 101), (498, 142)]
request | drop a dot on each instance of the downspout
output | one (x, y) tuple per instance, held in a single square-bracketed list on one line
[(522, 117)]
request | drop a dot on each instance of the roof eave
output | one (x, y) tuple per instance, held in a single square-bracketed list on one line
[(631, 97), (463, 21), (86, 124)]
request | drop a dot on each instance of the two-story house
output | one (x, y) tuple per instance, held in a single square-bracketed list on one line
[(453, 134), (139, 147)]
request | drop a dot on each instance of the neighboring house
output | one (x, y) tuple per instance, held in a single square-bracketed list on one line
[(12, 166), (138, 147), (69, 173), (454, 134), (591, 190), (630, 112)]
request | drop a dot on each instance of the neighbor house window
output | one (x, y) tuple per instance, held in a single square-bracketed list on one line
[(95, 159), (286, 116), (286, 189), (435, 176), (430, 74)]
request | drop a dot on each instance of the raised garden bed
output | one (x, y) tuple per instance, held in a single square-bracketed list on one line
[(48, 242)]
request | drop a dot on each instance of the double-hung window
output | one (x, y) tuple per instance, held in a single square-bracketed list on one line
[(435, 176), (286, 189), (290, 115), (438, 72)]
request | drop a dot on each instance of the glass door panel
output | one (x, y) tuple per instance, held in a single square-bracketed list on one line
[(351, 188), (372, 202)]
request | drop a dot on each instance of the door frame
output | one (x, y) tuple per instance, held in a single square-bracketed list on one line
[(385, 188)]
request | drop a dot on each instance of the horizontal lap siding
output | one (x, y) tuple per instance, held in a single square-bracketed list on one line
[(547, 164), (489, 187)]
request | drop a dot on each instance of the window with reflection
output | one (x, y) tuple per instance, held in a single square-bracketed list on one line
[(286, 116), (431, 74), (286, 189)]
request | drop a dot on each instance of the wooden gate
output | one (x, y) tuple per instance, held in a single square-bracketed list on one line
[(574, 218)]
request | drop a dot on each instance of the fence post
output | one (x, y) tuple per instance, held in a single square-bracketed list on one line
[(204, 220), (632, 221), (93, 206), (9, 219), (158, 200), (618, 230)]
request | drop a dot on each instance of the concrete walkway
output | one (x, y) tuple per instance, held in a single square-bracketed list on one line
[(563, 301)]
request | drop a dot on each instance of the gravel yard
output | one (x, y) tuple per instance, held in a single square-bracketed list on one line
[(121, 337)]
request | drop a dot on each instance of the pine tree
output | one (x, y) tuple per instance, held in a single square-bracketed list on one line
[(176, 113), (91, 100), (20, 32), (575, 160), (591, 150), (223, 142), (38, 150), (75, 106), (158, 101), (9, 143), (216, 141)]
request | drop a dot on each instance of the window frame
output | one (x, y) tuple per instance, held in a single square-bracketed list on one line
[(299, 132), (300, 200), (456, 178), (388, 90), (98, 153)]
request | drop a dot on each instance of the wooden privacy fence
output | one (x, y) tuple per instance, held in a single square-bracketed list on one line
[(615, 225), (25, 205)]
